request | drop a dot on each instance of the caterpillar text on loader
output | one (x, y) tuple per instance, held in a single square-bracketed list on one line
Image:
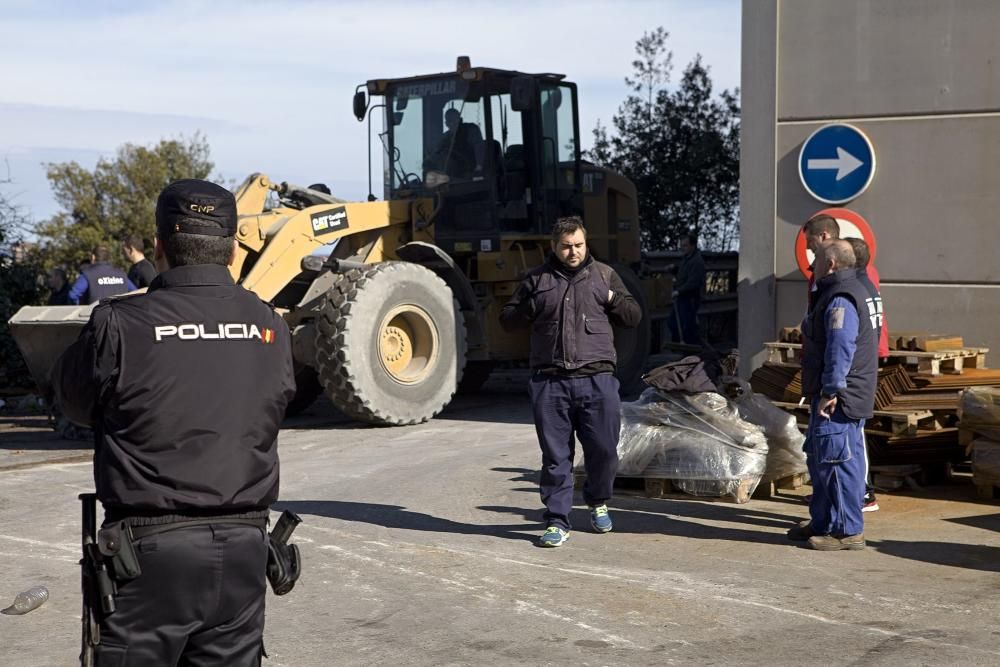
[(479, 163)]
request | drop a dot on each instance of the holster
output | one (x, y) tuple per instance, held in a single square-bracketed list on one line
[(115, 544), (283, 565)]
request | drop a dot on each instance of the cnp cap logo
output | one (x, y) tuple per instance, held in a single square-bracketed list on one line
[(202, 208)]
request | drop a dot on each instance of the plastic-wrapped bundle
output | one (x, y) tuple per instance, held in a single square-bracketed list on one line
[(784, 439), (986, 460), (979, 410), (690, 437)]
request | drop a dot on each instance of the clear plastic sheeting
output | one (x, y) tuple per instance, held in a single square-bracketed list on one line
[(979, 411), (986, 460), (784, 439), (691, 438)]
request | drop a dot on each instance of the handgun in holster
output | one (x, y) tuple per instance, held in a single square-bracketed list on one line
[(284, 564), (97, 585)]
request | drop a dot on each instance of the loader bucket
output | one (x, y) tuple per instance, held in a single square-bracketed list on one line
[(42, 333)]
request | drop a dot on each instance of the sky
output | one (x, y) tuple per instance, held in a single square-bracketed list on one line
[(269, 84)]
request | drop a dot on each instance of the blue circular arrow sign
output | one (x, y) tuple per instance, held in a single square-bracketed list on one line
[(836, 163)]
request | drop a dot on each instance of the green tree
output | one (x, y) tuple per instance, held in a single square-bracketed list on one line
[(19, 286), (116, 198), (680, 147)]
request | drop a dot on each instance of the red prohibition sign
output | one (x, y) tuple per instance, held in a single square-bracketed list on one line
[(851, 224)]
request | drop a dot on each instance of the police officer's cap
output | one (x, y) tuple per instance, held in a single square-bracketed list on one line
[(192, 206)]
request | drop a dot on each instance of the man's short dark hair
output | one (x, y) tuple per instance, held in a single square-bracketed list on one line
[(821, 223), (567, 225), (59, 271), (861, 254), (134, 241), (102, 253), (189, 249), (692, 238)]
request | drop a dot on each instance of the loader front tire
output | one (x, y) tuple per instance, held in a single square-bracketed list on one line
[(390, 344)]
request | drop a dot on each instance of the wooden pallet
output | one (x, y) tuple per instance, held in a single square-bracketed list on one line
[(923, 341), (768, 489), (926, 363), (944, 361), (660, 487), (889, 423)]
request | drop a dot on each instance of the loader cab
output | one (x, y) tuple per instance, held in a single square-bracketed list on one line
[(500, 148)]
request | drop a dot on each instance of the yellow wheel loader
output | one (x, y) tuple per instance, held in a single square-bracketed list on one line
[(394, 303)]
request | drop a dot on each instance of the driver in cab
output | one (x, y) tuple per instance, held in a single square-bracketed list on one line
[(459, 152)]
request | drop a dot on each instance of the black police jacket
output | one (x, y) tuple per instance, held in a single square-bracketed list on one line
[(185, 387), (570, 314)]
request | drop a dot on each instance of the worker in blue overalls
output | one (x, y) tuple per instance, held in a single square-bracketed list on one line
[(839, 375)]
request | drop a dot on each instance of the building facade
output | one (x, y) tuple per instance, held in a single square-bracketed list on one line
[(920, 78)]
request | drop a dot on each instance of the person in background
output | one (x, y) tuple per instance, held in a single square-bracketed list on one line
[(142, 271), (688, 285), (99, 279), (868, 277), (56, 280)]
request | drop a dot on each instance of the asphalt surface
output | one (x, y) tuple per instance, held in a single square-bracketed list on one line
[(419, 549)]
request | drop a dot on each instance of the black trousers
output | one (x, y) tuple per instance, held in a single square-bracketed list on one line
[(199, 600), (589, 408)]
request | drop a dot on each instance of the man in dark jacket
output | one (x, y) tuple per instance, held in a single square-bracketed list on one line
[(56, 280), (839, 375), (99, 279), (185, 387), (142, 270), (570, 303), (688, 285)]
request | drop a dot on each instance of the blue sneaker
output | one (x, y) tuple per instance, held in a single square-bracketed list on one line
[(600, 520), (554, 536)]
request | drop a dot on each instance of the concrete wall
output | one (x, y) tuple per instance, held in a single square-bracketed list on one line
[(922, 79)]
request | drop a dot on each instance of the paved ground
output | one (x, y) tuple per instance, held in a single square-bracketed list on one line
[(418, 544)]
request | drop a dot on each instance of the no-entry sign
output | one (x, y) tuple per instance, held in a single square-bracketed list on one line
[(851, 224)]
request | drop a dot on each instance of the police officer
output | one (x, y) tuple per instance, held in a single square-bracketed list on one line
[(839, 374), (570, 303), (99, 279), (185, 387)]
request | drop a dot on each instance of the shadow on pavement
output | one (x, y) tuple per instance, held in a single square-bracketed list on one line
[(35, 433), (635, 521), (489, 406), (966, 556), (394, 516), (985, 521)]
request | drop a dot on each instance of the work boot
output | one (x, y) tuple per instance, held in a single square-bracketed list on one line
[(801, 532), (831, 543), (600, 520), (554, 536)]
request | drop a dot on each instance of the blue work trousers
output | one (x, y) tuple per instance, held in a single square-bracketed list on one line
[(588, 407), (838, 463)]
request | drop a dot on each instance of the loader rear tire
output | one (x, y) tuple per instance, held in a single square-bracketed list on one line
[(390, 344)]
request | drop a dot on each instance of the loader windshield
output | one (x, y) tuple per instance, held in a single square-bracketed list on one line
[(437, 133)]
